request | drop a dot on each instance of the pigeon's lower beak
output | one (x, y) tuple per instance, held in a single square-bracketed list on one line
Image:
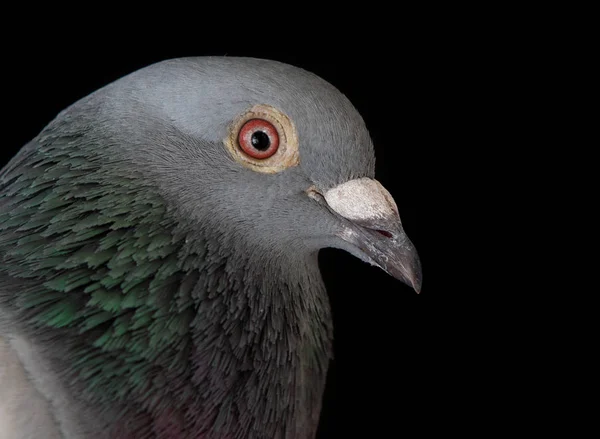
[(373, 228), (398, 257)]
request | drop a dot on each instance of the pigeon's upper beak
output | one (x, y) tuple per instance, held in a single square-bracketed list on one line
[(372, 226)]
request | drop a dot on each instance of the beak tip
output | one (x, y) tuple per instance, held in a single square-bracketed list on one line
[(412, 279), (414, 275), (416, 283)]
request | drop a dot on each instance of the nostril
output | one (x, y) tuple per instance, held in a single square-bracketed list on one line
[(384, 233)]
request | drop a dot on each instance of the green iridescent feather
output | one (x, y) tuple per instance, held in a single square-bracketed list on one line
[(100, 249)]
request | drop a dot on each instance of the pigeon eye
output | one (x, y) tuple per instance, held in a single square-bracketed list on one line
[(263, 139), (259, 139)]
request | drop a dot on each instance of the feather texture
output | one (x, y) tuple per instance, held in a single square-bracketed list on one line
[(156, 287)]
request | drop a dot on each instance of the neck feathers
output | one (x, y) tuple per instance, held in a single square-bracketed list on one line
[(191, 335)]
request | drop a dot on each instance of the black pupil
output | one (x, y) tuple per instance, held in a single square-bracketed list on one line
[(260, 140)]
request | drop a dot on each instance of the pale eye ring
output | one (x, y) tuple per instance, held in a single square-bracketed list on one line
[(263, 139)]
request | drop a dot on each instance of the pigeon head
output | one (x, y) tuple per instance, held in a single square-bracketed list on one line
[(158, 249), (183, 122)]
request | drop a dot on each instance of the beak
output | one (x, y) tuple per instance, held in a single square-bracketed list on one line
[(373, 228)]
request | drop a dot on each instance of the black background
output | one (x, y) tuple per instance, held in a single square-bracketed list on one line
[(403, 361)]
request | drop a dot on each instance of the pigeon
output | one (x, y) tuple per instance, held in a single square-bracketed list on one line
[(159, 246)]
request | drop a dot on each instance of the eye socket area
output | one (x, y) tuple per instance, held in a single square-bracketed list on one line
[(258, 138), (263, 139)]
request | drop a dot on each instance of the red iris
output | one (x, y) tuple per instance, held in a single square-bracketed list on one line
[(259, 139)]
